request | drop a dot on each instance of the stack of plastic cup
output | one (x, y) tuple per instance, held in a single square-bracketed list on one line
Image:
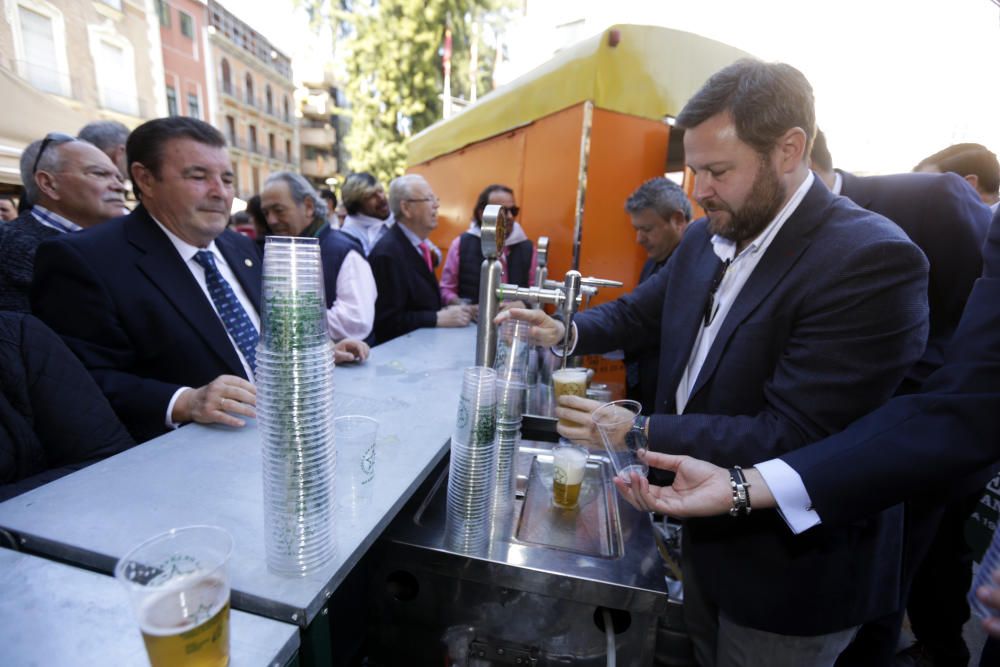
[(295, 408), (511, 365), (473, 466)]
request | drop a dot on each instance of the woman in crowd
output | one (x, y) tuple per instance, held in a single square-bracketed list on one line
[(460, 276)]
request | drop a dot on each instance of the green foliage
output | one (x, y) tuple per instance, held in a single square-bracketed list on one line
[(395, 73)]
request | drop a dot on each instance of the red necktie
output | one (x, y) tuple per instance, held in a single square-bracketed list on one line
[(426, 252)]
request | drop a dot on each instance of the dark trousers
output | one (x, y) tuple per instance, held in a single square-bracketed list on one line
[(991, 653), (937, 573), (938, 607)]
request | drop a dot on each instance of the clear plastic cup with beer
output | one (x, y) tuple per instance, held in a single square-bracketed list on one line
[(569, 467), (569, 382), (178, 583)]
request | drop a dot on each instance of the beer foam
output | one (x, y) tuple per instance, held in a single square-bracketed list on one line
[(572, 461), (179, 610)]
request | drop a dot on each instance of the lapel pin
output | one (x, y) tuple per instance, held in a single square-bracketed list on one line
[(248, 262)]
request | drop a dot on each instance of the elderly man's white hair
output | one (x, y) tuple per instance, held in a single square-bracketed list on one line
[(402, 188)]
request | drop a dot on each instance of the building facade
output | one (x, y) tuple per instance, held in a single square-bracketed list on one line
[(250, 99), (66, 63), (185, 65), (319, 133)]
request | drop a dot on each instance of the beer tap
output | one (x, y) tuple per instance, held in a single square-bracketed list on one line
[(542, 265), (493, 234), (565, 296)]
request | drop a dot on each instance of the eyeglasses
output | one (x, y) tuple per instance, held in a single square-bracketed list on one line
[(511, 211), (711, 307), (51, 137), (432, 199)]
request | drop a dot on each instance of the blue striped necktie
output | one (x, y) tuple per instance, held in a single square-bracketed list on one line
[(232, 313)]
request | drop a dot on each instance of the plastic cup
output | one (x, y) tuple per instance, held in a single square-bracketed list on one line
[(513, 347), (178, 583), (614, 421), (569, 382), (354, 438), (569, 467)]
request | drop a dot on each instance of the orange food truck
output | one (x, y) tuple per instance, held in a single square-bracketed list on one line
[(574, 138)]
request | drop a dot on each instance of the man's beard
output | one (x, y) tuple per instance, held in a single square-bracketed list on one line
[(763, 203)]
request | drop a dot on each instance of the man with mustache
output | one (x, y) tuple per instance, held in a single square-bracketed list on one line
[(73, 186), (782, 316), (162, 305)]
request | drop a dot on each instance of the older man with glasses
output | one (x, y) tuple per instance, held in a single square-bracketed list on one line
[(408, 292), (72, 186)]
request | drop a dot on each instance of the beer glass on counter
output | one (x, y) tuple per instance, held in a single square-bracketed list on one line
[(178, 583), (569, 467), (569, 382)]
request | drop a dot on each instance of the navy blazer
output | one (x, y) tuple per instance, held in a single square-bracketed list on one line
[(821, 333), (914, 442), (125, 303), (408, 293), (945, 217)]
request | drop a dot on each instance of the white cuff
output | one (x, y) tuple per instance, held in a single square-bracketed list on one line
[(790, 494), (170, 407)]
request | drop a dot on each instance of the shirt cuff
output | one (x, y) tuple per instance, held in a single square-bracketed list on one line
[(790, 494), (170, 408)]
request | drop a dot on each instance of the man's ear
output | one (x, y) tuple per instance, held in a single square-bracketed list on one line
[(47, 184), (142, 177), (973, 180), (310, 208), (791, 147)]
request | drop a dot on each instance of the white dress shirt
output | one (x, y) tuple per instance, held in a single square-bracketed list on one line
[(187, 253), (740, 268), (352, 314)]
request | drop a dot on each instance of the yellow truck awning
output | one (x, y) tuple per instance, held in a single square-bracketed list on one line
[(651, 73)]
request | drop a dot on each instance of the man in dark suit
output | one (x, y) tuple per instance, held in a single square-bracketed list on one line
[(782, 317), (914, 445), (162, 305), (660, 212), (73, 186), (975, 163), (408, 293), (945, 217)]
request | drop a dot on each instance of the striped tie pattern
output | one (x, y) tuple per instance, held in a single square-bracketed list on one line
[(233, 316)]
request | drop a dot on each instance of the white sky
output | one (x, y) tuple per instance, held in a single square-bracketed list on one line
[(895, 80)]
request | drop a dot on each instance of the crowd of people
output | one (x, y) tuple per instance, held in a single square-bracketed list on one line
[(819, 342)]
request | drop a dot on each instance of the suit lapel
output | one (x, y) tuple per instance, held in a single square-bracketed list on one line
[(246, 266), (414, 257), (682, 324), (166, 271), (786, 248)]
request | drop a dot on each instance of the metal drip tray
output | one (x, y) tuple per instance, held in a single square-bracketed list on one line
[(592, 528)]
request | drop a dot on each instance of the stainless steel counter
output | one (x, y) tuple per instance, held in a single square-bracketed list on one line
[(55, 614), (201, 474), (602, 553)]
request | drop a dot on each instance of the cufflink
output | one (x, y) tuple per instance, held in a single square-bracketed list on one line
[(248, 262)]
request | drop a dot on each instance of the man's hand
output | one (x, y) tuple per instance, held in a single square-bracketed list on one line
[(579, 410), (454, 316), (700, 489), (990, 596), (217, 402), (350, 350), (544, 329)]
